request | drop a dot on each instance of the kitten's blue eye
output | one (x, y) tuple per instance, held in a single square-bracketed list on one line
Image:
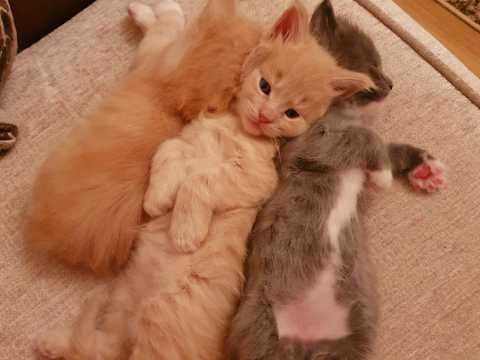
[(291, 113), (265, 86)]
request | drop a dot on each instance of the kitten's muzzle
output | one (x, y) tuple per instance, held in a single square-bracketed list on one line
[(262, 119)]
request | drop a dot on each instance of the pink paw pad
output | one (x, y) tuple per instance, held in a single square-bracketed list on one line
[(429, 176)]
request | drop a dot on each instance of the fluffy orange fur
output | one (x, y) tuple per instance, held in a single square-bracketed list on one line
[(170, 304), (87, 200)]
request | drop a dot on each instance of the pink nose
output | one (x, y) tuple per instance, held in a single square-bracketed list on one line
[(263, 119)]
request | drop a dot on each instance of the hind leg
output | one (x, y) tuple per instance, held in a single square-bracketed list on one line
[(162, 25), (253, 333), (83, 340), (55, 344), (60, 343)]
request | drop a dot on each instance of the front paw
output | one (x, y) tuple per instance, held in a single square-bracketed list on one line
[(189, 227), (156, 203), (188, 233), (429, 176)]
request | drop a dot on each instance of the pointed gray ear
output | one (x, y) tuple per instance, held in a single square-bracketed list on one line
[(323, 23), (346, 83)]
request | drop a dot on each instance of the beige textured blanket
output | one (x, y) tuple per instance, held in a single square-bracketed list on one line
[(427, 248)]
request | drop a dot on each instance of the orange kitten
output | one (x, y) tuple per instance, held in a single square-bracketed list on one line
[(177, 297), (87, 199)]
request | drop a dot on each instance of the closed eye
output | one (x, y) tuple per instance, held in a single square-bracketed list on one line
[(292, 113)]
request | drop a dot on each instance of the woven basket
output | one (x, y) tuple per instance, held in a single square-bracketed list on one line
[(8, 50), (8, 41)]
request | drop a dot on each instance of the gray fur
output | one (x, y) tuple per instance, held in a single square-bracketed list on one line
[(405, 158), (289, 246), (353, 49)]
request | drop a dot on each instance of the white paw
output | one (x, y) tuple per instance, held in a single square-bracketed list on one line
[(168, 5), (50, 347), (429, 176), (142, 15), (381, 178), (170, 8)]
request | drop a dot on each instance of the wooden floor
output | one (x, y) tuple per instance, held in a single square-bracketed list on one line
[(460, 38)]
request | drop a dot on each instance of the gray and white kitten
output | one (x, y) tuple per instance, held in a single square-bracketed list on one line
[(310, 291)]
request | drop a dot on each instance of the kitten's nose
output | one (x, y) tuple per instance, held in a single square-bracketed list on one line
[(263, 119)]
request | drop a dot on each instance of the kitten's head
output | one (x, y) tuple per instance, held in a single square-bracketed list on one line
[(289, 81), (353, 50)]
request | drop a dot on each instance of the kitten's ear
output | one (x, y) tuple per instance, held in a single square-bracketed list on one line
[(345, 83), (292, 24), (323, 23)]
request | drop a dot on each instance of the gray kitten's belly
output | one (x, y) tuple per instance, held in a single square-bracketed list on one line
[(316, 315)]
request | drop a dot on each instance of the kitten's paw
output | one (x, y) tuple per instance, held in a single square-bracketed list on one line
[(382, 178), (164, 6), (170, 8), (51, 347), (187, 234), (157, 204), (429, 176), (185, 239), (8, 137), (142, 15)]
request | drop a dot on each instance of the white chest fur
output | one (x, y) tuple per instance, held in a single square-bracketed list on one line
[(351, 183), (316, 315)]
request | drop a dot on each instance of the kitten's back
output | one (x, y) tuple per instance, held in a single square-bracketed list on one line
[(87, 201)]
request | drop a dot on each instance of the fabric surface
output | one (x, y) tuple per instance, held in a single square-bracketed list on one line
[(8, 41), (426, 247), (426, 45)]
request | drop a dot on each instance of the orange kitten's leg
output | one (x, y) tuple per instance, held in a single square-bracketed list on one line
[(192, 213), (79, 340), (55, 344), (162, 24), (234, 184), (167, 172), (142, 15), (84, 340)]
